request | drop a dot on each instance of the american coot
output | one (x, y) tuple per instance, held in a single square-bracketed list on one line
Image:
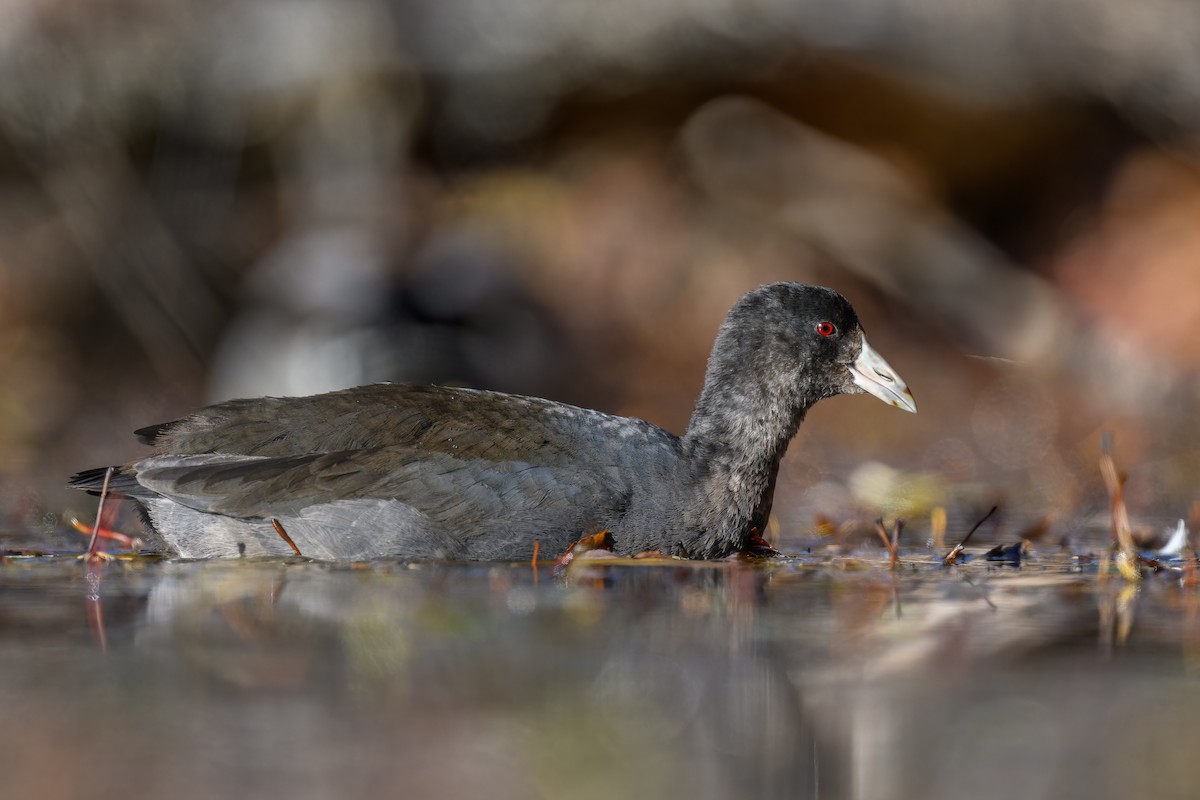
[(437, 472)]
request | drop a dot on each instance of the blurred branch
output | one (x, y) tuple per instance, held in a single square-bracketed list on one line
[(135, 261)]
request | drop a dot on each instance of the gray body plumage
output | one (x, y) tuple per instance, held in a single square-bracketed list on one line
[(412, 471), (436, 472)]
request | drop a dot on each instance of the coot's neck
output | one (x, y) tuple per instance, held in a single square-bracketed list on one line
[(745, 418)]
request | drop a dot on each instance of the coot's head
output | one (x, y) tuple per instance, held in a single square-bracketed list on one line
[(806, 341)]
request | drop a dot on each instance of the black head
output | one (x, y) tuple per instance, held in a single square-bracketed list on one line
[(805, 336), (784, 346)]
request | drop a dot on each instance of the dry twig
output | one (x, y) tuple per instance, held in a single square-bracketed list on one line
[(952, 556), (892, 543), (284, 535), (1122, 531), (93, 554)]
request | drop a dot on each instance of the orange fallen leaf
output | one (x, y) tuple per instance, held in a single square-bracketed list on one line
[(597, 541)]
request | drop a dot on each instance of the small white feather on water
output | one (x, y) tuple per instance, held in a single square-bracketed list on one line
[(1174, 545)]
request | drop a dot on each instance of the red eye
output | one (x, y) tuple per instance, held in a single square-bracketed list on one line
[(826, 328)]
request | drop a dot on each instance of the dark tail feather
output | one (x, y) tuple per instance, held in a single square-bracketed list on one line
[(123, 483), (92, 481), (150, 433)]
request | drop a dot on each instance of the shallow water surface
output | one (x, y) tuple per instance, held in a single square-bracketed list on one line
[(789, 678)]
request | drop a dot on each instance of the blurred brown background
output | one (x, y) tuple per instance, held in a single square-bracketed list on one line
[(207, 200)]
